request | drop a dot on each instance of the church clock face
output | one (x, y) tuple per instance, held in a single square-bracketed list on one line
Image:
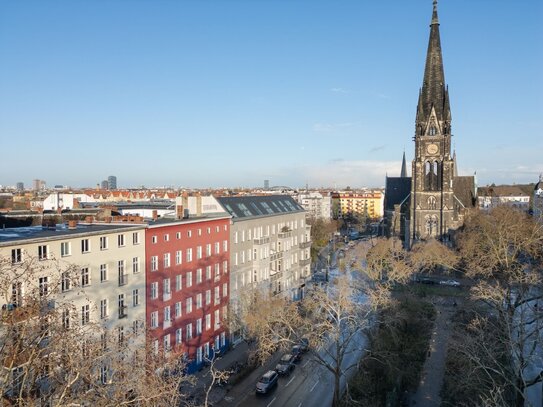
[(432, 148)]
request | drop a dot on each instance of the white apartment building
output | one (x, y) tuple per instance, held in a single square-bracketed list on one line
[(269, 246), (316, 204), (108, 261)]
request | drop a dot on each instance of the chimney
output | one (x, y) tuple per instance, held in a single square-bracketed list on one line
[(179, 211), (72, 224), (155, 214)]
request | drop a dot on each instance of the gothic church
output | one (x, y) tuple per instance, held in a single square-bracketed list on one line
[(432, 202)]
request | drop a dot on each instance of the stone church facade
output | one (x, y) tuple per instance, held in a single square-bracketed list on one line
[(432, 202)]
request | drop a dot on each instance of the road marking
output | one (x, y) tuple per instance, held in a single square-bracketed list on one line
[(271, 402), (315, 385), (300, 405), (290, 381), (305, 364)]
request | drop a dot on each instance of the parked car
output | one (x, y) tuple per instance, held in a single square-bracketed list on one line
[(267, 381), (450, 283), (304, 343), (297, 352), (286, 364)]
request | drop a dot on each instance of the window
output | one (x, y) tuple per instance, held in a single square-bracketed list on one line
[(153, 239), (208, 272), (189, 255), (103, 242), (103, 309), (42, 252), (166, 293), (188, 331), (155, 346), (123, 278), (236, 237), (122, 307), (199, 301), (167, 314), (120, 240), (225, 245), (120, 335), (136, 238), (199, 232), (178, 235), (85, 314), (217, 295), (43, 286), (135, 265), (208, 231), (154, 290), (208, 249), (85, 277), (217, 319), (208, 297), (208, 322), (135, 297), (178, 336), (223, 339), (154, 263), (188, 307), (177, 309), (103, 272), (66, 318), (65, 249), (225, 290), (178, 282), (166, 237), (189, 233), (65, 282), (225, 266), (198, 276), (199, 355), (16, 256), (189, 279), (199, 252), (217, 247), (178, 257), (166, 260), (217, 271), (154, 319), (103, 374), (166, 342), (85, 246), (199, 326)]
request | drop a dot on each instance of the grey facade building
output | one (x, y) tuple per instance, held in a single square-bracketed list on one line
[(269, 247), (432, 202), (104, 184), (317, 205), (20, 186), (112, 182)]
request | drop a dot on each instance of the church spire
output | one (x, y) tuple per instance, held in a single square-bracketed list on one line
[(434, 92), (403, 174)]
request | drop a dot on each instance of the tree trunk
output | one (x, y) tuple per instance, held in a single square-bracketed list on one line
[(337, 388), (519, 393)]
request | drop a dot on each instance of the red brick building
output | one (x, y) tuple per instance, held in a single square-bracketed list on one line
[(187, 285)]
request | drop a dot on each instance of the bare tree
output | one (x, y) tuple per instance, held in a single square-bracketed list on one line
[(502, 250), (50, 355)]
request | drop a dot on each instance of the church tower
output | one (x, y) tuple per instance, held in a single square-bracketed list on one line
[(433, 208)]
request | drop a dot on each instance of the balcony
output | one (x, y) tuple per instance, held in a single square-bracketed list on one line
[(123, 279), (276, 256), (122, 312), (262, 240), (284, 235), (305, 245), (305, 262)]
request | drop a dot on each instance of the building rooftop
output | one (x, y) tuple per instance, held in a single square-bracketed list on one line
[(256, 206)]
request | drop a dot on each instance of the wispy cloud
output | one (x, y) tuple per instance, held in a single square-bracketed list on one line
[(340, 90), (377, 148), (330, 127)]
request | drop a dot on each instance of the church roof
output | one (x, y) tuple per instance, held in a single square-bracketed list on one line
[(464, 190), (397, 189), (434, 93)]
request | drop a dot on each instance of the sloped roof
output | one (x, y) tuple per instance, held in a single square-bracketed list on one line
[(255, 206), (396, 190), (464, 190)]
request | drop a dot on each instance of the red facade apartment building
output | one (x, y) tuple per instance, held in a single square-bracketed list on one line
[(187, 286)]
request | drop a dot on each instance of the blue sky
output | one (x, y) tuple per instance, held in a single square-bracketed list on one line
[(231, 92)]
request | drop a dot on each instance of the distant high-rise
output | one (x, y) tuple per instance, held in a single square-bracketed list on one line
[(112, 182), (104, 184), (38, 184), (266, 184), (20, 186)]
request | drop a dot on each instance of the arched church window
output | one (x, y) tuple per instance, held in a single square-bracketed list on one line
[(433, 131), (432, 202)]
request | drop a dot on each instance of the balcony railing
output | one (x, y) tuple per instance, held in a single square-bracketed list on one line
[(305, 245), (262, 240), (123, 279), (305, 262), (284, 235), (276, 256), (122, 312)]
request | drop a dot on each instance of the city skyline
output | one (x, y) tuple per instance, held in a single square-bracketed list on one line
[(231, 93)]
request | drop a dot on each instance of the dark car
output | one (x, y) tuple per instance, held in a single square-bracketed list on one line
[(267, 381), (286, 364), (297, 352), (304, 344)]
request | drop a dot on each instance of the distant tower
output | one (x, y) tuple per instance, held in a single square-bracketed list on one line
[(38, 184), (403, 174), (266, 184), (20, 186), (112, 182), (104, 184)]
